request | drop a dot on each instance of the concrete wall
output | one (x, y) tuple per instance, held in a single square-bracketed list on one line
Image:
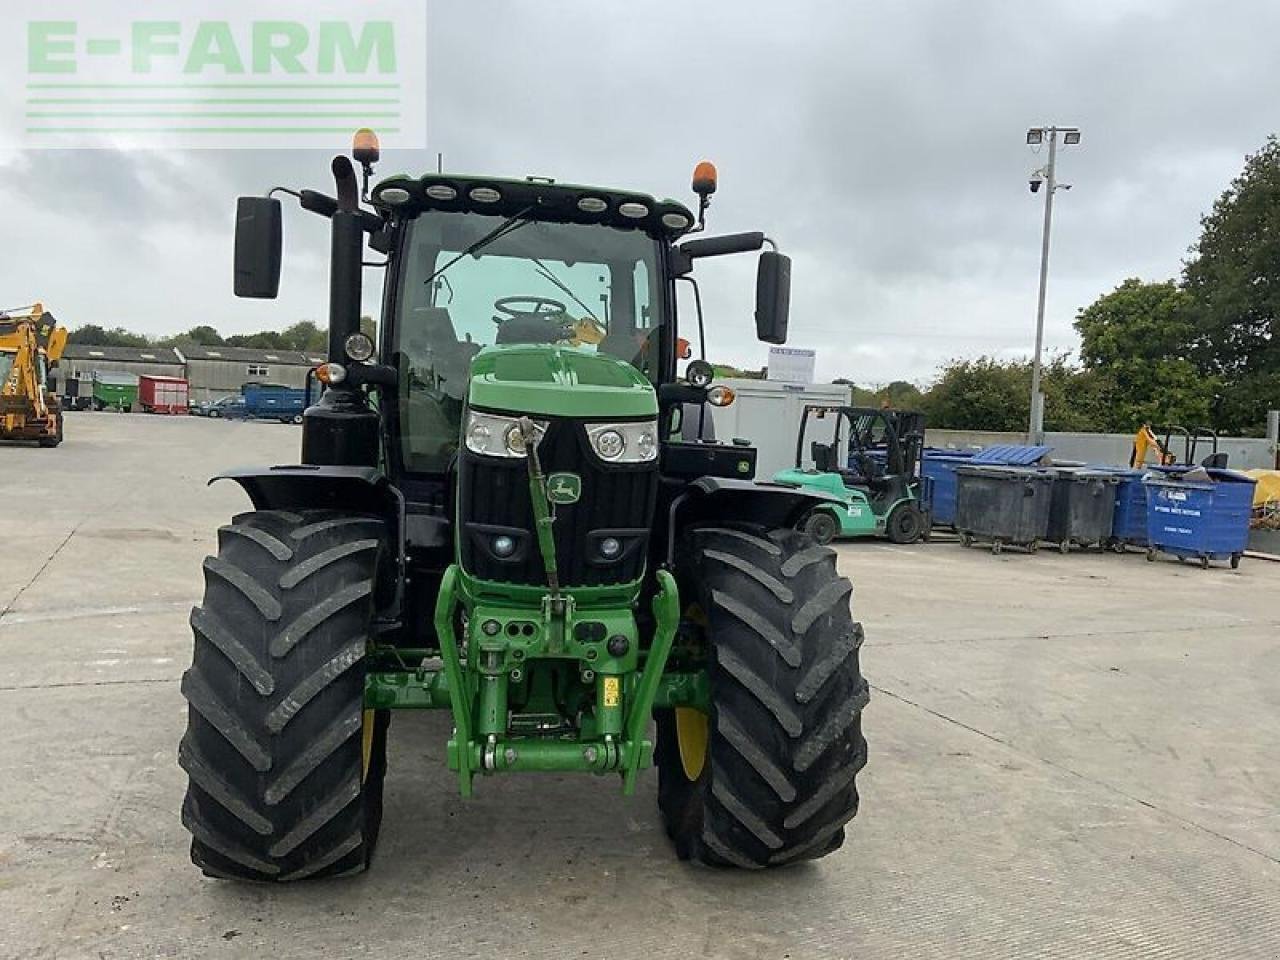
[(1244, 452)]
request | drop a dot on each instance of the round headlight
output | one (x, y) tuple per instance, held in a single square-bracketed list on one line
[(504, 546), (513, 437), (610, 444), (479, 436), (358, 347), (484, 195), (394, 196), (592, 205), (610, 547), (441, 191), (633, 211)]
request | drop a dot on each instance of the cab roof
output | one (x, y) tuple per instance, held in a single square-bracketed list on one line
[(559, 202)]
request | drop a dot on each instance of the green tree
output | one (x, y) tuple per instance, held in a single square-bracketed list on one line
[(304, 335), (263, 340), (990, 394), (93, 335), (1138, 340), (981, 394), (200, 336), (1233, 278), (901, 395)]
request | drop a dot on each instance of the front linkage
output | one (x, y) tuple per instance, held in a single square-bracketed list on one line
[(502, 643)]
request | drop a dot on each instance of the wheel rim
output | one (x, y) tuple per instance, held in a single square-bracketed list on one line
[(909, 525), (366, 743), (692, 736)]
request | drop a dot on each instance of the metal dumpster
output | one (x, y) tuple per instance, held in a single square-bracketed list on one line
[(1129, 521), (1082, 507), (1003, 505), (1202, 514), (941, 470)]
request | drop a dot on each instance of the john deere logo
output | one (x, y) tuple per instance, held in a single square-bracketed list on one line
[(564, 488)]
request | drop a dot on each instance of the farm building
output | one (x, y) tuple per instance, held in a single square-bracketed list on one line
[(79, 361), (221, 371), (212, 372)]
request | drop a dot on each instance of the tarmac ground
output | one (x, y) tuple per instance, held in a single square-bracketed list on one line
[(1071, 757)]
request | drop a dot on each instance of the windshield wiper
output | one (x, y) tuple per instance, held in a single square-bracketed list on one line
[(507, 226), (545, 271)]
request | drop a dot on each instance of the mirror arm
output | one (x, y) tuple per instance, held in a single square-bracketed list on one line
[(326, 206)]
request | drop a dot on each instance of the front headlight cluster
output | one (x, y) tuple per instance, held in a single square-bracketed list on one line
[(496, 436), (634, 442)]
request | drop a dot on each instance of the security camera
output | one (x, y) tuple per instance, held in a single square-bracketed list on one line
[(1035, 184)]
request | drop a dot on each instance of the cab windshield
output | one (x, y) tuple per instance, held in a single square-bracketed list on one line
[(6, 366), (589, 286)]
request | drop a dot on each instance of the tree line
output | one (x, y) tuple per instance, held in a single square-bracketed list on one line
[(303, 335)]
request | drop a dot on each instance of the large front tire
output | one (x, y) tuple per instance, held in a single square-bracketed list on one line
[(285, 765), (783, 739)]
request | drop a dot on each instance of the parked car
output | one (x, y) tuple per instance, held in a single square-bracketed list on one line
[(229, 407)]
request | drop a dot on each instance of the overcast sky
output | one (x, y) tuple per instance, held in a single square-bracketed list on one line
[(882, 145)]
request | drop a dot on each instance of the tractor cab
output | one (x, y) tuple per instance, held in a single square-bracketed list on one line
[(872, 462)]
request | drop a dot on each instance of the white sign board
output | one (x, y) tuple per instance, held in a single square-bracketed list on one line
[(791, 365)]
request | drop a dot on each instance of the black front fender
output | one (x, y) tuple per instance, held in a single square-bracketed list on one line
[(306, 487), (728, 500)]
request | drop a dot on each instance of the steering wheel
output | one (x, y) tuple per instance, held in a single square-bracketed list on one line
[(505, 306)]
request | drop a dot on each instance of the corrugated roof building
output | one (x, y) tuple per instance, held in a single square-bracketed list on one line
[(80, 360), (212, 372), (216, 372)]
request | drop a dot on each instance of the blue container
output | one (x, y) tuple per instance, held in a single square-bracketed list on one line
[(1129, 522), (941, 472), (1203, 520)]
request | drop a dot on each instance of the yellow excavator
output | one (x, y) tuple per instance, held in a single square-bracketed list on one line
[(31, 342), (1145, 442)]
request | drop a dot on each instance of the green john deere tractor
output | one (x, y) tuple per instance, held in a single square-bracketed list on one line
[(498, 514)]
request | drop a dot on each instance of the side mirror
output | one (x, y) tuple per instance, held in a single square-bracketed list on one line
[(259, 240), (773, 296)]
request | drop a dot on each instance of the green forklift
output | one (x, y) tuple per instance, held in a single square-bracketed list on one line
[(495, 516), (880, 490)]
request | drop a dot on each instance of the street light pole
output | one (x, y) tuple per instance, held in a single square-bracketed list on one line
[(1035, 136), (1036, 430)]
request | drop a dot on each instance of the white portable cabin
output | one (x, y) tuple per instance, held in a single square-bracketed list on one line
[(767, 412)]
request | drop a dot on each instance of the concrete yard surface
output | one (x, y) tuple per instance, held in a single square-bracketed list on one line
[(1071, 757)]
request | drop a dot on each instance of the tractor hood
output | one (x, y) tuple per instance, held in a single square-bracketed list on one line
[(559, 381)]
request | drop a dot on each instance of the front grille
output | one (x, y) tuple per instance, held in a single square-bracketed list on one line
[(617, 500)]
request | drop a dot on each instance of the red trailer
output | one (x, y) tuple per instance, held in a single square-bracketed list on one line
[(162, 394)]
